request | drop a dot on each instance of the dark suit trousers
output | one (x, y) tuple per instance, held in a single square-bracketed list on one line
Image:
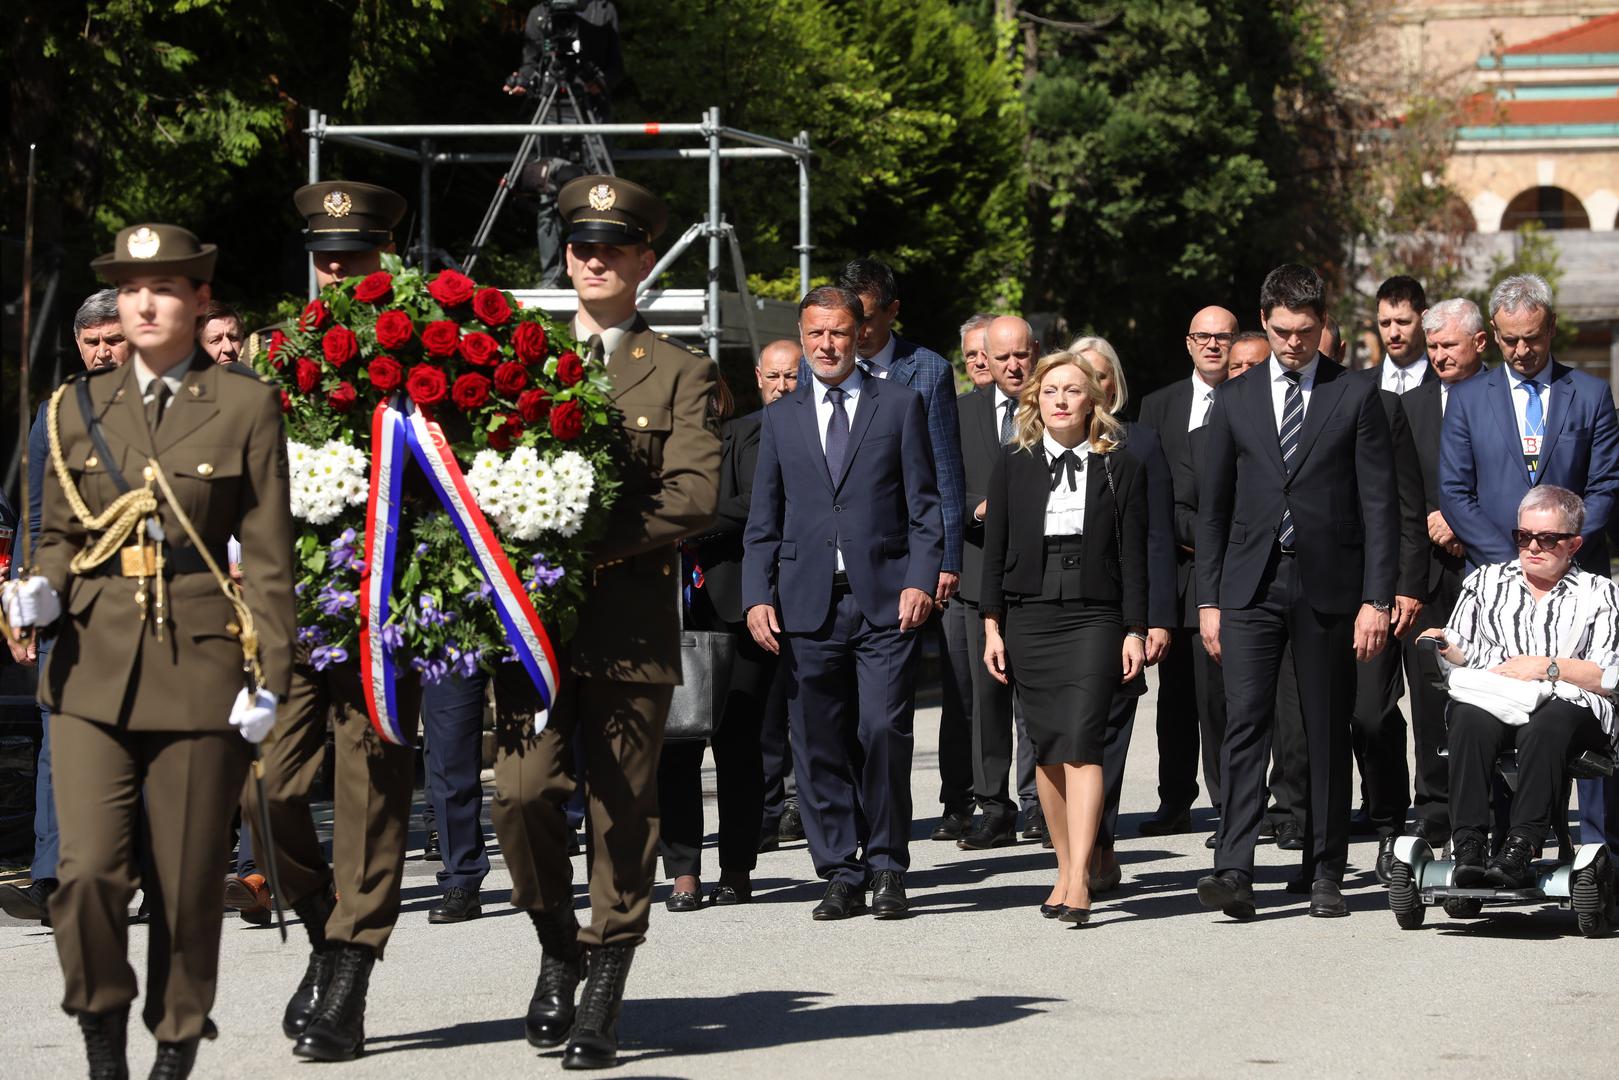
[(777, 755), (1599, 811), (1252, 642), (1191, 710), (956, 711), (851, 706), (738, 773), (452, 717), (1428, 704), (997, 714)]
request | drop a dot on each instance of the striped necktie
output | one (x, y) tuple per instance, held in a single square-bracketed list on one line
[(1292, 424), (1007, 408)]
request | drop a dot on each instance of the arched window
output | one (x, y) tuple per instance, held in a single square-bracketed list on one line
[(1553, 207)]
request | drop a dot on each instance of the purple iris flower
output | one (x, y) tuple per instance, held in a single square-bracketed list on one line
[(431, 671), (335, 601), (311, 635), (392, 637), (545, 575), (342, 551), (464, 664), (327, 655), (421, 551)]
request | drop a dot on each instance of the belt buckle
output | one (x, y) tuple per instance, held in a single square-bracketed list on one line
[(1070, 562), (138, 561)]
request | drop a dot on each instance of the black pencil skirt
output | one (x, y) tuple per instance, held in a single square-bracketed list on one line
[(1065, 657)]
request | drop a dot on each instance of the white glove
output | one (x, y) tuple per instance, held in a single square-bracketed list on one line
[(31, 602), (253, 716)]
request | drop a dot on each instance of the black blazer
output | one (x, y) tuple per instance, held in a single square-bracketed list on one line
[(1015, 541), (1187, 476), (1414, 544), (1423, 411), (1167, 411), (1141, 443), (1341, 492), (719, 551), (980, 448)]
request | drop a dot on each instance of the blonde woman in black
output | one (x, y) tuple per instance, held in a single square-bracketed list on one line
[(1064, 597)]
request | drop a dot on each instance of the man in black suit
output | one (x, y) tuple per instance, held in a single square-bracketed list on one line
[(1298, 536), (841, 558), (1455, 337), (986, 425), (1191, 695)]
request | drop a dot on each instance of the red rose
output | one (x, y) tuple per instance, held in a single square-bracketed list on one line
[(528, 340), (340, 346), (567, 421), (440, 338), (314, 316), (510, 379), (386, 374), (471, 391), (532, 405), (570, 369), (427, 384), (375, 288), (507, 433), (277, 339), (343, 398), (479, 348), (286, 402), (393, 329), (491, 308), (307, 373), (451, 289)]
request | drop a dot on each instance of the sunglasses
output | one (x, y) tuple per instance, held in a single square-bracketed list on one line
[(1546, 540)]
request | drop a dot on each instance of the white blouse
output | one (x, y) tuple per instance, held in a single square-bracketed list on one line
[(1065, 509)]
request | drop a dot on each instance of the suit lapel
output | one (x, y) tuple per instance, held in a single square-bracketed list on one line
[(1178, 418), (1557, 409), (1095, 480), (1324, 398), (986, 420), (1499, 396), (869, 392), (626, 368), (903, 370), (192, 407), (804, 410), (1262, 414)]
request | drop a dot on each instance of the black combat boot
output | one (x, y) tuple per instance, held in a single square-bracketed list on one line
[(306, 1000), (562, 964), (175, 1059), (104, 1038), (594, 1042), (337, 1030)]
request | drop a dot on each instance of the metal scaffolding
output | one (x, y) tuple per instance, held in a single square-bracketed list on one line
[(709, 131)]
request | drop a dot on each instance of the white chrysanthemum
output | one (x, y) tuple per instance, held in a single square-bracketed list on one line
[(325, 480)]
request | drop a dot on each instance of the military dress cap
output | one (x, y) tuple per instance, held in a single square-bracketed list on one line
[(611, 210), (157, 249), (343, 215)]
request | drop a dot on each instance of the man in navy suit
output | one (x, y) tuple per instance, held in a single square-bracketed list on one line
[(841, 560), (1532, 421)]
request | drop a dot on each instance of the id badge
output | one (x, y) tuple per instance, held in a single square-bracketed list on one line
[(1531, 445)]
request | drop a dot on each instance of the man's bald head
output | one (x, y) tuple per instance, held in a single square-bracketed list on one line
[(1208, 342), (1012, 350), (777, 369)]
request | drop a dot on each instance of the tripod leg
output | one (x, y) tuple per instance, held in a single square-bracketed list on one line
[(524, 150)]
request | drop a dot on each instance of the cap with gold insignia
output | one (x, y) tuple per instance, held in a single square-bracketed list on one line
[(611, 210), (161, 250), (343, 215)]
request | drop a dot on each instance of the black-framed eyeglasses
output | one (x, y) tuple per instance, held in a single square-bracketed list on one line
[(1547, 540), (1202, 338)]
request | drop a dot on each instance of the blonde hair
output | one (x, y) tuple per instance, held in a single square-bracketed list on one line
[(1030, 428), (1100, 346)]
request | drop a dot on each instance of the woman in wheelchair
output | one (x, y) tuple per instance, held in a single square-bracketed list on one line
[(1541, 620)]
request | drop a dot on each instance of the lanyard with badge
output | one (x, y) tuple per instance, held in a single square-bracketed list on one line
[(1534, 429)]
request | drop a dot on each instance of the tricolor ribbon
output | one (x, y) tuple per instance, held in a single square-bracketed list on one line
[(393, 431)]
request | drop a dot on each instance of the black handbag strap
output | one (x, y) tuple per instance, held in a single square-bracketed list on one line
[(1118, 535), (98, 440)]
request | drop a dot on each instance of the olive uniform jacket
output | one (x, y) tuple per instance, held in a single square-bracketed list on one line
[(223, 448), (629, 625)]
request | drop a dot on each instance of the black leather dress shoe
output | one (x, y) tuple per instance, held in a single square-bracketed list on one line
[(32, 903), (1327, 900), (1230, 891), (791, 826), (1034, 825), (728, 894), (888, 895), (1469, 859), (1385, 859), (1290, 836), (989, 834), (337, 1031), (1211, 841), (459, 905), (1511, 866), (430, 848), (683, 901), (953, 826), (1435, 833), (841, 901), (769, 841), (1167, 823)]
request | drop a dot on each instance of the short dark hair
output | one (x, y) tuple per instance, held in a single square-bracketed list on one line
[(1403, 289), (834, 297), (1295, 287), (870, 277), (1251, 335)]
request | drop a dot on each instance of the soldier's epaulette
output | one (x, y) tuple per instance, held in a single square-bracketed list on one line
[(87, 373), (694, 350), (236, 367)]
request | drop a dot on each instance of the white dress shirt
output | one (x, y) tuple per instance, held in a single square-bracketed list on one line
[(1065, 509), (610, 336), (1520, 397), (1413, 372), (1202, 402), (1279, 384), (823, 413), (881, 362), (174, 377)]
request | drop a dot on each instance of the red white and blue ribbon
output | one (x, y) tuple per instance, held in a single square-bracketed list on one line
[(393, 432)]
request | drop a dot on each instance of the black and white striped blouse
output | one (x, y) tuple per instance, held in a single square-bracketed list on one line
[(1497, 618)]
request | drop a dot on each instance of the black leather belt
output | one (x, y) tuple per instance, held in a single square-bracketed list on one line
[(176, 561), (1289, 552), (840, 581)]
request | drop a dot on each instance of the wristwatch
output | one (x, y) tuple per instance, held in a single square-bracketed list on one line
[(1552, 673), (1381, 606)]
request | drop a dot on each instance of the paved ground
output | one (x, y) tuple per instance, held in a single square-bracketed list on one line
[(976, 983)]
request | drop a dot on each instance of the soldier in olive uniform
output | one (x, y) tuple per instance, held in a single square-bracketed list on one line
[(146, 663), (347, 908), (624, 660)]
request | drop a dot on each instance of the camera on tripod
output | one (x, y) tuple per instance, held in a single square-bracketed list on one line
[(553, 42)]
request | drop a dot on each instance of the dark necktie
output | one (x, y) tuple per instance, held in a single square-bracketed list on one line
[(594, 352), (159, 400), (1006, 420), (1292, 422), (1070, 461), (837, 432)]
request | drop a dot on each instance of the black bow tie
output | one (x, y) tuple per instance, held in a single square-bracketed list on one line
[(1074, 465)]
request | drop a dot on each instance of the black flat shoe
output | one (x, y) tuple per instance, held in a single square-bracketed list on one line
[(1327, 900), (1469, 860), (723, 895), (989, 834), (841, 902), (458, 905), (888, 900), (1290, 836), (683, 901), (1076, 916), (1167, 823)]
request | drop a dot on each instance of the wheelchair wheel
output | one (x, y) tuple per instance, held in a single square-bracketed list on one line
[(1404, 901), (1592, 897), (1459, 908)]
